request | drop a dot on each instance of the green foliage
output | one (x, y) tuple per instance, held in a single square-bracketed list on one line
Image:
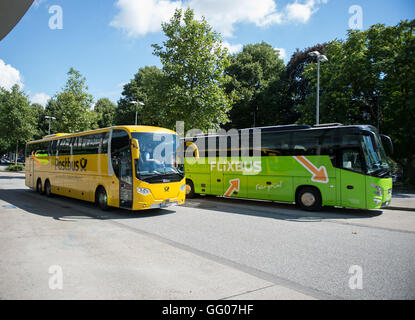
[(42, 125), (17, 121), (145, 88), (257, 79), (299, 87), (72, 106), (194, 61), (105, 112), (17, 167), (370, 79)]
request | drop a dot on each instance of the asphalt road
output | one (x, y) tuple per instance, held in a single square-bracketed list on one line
[(211, 248)]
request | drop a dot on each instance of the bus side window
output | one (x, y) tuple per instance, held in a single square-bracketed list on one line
[(104, 143), (306, 143), (53, 147)]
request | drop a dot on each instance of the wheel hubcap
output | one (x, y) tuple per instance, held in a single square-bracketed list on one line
[(188, 189), (308, 199), (103, 199)]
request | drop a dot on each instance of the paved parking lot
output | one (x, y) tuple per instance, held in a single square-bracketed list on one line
[(211, 248)]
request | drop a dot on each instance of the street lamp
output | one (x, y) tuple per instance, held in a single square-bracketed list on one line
[(322, 58), (50, 118), (136, 105)]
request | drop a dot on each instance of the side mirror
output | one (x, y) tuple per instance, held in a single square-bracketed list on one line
[(135, 149), (194, 147), (387, 142)]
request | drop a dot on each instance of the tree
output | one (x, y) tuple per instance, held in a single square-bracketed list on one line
[(72, 106), (145, 87), (42, 125), (299, 87), (105, 112), (370, 79), (194, 60), (17, 122), (252, 72)]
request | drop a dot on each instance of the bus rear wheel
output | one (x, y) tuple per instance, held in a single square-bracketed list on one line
[(48, 189), (39, 187), (101, 199), (309, 199)]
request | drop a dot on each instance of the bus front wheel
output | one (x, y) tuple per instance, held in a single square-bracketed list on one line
[(102, 199), (190, 189), (309, 199)]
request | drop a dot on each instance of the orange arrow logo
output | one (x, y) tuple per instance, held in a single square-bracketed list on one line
[(232, 188), (319, 175)]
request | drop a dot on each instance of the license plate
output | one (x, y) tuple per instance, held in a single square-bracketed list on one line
[(166, 203)]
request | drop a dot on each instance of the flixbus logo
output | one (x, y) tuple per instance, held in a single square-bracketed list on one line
[(67, 164), (237, 166)]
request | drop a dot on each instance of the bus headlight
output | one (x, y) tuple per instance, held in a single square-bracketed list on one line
[(183, 187), (379, 191), (143, 191)]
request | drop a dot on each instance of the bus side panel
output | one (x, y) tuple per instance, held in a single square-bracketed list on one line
[(316, 171), (353, 189), (29, 172), (198, 170), (279, 182)]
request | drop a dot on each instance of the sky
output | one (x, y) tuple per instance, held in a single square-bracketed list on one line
[(108, 41)]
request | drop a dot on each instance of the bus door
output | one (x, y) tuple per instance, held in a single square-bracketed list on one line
[(216, 178), (352, 179), (121, 159)]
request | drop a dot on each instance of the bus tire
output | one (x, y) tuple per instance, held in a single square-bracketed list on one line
[(48, 188), (190, 189), (39, 187), (309, 199), (101, 199)]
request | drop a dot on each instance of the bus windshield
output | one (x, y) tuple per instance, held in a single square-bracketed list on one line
[(375, 156), (158, 157)]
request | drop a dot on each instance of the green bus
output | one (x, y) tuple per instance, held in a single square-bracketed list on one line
[(325, 165)]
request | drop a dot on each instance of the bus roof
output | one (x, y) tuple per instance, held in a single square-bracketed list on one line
[(295, 127), (128, 128)]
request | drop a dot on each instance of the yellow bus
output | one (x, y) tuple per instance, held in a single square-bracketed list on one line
[(131, 167)]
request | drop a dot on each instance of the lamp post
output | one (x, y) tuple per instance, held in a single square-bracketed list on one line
[(50, 118), (322, 58), (136, 105)]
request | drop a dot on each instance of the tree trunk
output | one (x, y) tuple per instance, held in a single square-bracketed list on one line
[(17, 153)]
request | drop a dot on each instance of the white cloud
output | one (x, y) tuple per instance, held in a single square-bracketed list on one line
[(224, 14), (232, 48), (41, 98), (9, 76), (282, 51), (140, 17), (300, 12)]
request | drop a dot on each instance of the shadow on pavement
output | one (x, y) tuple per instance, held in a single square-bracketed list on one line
[(63, 208), (275, 210), (2, 177)]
